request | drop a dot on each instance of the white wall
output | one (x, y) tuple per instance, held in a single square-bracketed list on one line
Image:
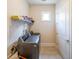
[(15, 29), (47, 29), (63, 25)]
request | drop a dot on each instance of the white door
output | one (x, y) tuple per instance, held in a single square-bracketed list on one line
[(63, 28)]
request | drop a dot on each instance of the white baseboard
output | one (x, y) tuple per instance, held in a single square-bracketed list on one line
[(48, 44)]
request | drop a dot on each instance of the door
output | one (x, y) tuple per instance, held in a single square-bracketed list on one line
[(44, 17), (63, 27)]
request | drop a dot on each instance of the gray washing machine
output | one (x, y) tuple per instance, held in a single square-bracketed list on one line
[(29, 48)]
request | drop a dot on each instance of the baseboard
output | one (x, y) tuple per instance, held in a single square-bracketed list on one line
[(60, 54), (48, 44)]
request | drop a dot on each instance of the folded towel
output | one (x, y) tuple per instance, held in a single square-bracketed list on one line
[(14, 17)]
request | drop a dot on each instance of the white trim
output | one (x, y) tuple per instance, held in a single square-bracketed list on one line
[(48, 44)]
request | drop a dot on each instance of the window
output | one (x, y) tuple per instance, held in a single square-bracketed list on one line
[(45, 16)]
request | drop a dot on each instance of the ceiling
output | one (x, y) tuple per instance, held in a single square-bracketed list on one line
[(40, 2)]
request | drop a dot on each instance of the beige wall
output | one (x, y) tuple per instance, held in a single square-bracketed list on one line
[(47, 29), (63, 25), (15, 29)]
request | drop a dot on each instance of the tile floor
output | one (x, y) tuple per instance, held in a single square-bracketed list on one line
[(49, 53)]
